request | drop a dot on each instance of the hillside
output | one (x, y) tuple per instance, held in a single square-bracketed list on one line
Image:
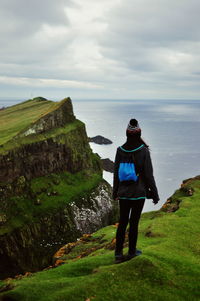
[(169, 268), (50, 183), (16, 118)]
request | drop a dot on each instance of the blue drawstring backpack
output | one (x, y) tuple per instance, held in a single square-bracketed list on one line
[(127, 170)]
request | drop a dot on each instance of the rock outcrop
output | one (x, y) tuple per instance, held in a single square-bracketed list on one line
[(108, 165), (100, 140), (186, 190)]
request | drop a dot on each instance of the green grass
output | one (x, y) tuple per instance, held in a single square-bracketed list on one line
[(67, 186), (61, 131), (16, 118), (169, 268)]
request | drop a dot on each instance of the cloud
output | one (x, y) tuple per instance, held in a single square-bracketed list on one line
[(45, 82), (27, 16), (157, 36), (134, 48)]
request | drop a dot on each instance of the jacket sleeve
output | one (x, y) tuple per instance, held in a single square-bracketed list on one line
[(115, 177), (149, 178)]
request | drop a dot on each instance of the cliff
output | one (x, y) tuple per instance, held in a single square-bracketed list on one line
[(54, 141), (168, 268), (51, 186)]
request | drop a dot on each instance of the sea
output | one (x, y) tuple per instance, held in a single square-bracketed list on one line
[(170, 128)]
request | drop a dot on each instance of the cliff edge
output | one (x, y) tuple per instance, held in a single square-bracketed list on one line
[(51, 186)]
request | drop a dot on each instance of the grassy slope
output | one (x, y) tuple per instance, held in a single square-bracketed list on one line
[(16, 118), (11, 144), (167, 270)]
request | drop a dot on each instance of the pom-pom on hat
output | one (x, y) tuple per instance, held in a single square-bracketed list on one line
[(133, 128)]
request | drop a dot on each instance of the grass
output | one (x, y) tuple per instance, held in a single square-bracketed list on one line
[(53, 192), (169, 268), (16, 118), (16, 143)]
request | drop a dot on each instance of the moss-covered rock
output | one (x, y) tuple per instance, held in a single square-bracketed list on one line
[(30, 246)]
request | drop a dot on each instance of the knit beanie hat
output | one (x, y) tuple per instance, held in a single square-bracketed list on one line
[(133, 128)]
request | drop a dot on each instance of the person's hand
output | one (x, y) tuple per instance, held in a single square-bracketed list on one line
[(155, 202)]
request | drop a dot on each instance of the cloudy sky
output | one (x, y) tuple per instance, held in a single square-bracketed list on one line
[(133, 49)]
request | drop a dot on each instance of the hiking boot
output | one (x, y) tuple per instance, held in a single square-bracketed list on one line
[(129, 256), (138, 252), (119, 258)]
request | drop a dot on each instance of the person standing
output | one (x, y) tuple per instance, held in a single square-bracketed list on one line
[(132, 191)]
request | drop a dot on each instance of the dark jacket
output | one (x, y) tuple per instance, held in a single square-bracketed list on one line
[(145, 187)]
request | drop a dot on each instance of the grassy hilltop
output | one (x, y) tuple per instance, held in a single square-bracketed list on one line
[(31, 121), (169, 268), (16, 118)]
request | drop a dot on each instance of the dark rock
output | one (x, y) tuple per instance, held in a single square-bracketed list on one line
[(108, 165), (189, 191), (171, 205), (100, 140), (149, 234)]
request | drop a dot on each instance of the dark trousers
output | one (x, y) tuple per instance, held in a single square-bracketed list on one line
[(130, 211)]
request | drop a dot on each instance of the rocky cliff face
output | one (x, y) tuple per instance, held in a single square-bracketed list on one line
[(57, 117), (51, 190), (65, 151), (31, 247)]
